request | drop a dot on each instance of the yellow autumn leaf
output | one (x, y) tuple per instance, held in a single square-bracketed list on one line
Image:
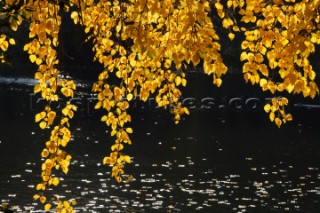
[(44, 153), (66, 204), (43, 199), (236, 28), (280, 87), (263, 69), (51, 116), (288, 117), (47, 207), (4, 45), (40, 186), (267, 108), (263, 82), (184, 82), (312, 75), (106, 160), (119, 74), (55, 181), (98, 105), (177, 80), (278, 122), (87, 30), (38, 75), (186, 110), (33, 58), (70, 114), (40, 116), (12, 41), (104, 118), (285, 101), (36, 196), (217, 81), (114, 147), (38, 61), (14, 26), (243, 56), (129, 130), (43, 125), (75, 17), (218, 5), (113, 132), (73, 107), (231, 36), (67, 92), (129, 96), (37, 88), (289, 88), (271, 116), (127, 159), (65, 111)]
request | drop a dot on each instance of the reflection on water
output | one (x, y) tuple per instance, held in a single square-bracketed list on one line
[(176, 183), (177, 187), (228, 162)]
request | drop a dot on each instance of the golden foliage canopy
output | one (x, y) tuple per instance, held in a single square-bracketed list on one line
[(148, 45)]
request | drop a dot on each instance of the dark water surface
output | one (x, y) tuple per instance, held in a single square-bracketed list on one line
[(223, 160)]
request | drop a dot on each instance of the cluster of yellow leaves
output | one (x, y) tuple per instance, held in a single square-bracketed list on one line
[(62, 206), (46, 117), (4, 44), (55, 157), (44, 29), (141, 42), (146, 45), (275, 108), (227, 17), (14, 16), (116, 119), (16, 12), (282, 42), (281, 36)]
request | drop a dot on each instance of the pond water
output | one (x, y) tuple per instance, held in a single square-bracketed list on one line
[(215, 160)]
